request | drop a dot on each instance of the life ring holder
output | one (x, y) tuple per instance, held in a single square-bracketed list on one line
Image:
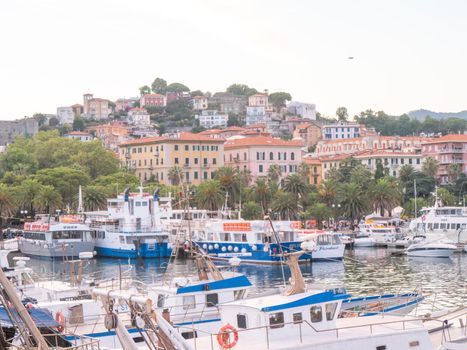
[(224, 339)]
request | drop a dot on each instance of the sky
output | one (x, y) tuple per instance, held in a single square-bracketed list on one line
[(408, 54)]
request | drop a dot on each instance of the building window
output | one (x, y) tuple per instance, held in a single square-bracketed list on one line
[(214, 161), (260, 168), (205, 175), (244, 156), (187, 147), (271, 156), (187, 161), (176, 147), (292, 156), (205, 161), (196, 160), (195, 175), (418, 160), (176, 160)]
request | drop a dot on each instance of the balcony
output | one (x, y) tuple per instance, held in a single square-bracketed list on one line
[(452, 161), (451, 150)]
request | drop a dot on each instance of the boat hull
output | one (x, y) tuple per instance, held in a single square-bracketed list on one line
[(431, 253), (145, 251), (46, 250)]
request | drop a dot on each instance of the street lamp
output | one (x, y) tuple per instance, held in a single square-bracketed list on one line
[(24, 213)]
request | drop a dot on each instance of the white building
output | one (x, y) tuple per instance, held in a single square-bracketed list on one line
[(304, 110), (200, 103), (341, 130), (65, 115), (79, 135), (210, 118), (255, 115), (139, 117)]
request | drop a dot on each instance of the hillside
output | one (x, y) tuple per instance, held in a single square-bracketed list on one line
[(421, 114)]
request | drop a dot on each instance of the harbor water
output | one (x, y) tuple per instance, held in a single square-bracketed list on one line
[(362, 272)]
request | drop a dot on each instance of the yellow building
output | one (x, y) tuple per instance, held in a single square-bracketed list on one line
[(196, 156)]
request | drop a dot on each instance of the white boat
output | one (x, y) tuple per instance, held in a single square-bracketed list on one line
[(447, 220), (48, 238), (381, 230), (364, 241), (328, 244), (433, 249), (10, 244), (131, 227)]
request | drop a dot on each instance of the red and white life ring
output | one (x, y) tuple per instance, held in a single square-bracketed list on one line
[(60, 318), (224, 336)]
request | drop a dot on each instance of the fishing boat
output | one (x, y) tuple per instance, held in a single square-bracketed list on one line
[(131, 227), (252, 241), (61, 237), (328, 244)]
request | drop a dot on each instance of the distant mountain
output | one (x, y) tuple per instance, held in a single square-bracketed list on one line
[(421, 114)]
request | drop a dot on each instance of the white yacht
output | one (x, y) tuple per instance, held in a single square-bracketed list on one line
[(450, 221), (432, 249)]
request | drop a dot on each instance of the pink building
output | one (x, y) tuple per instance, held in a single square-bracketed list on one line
[(447, 150), (153, 100), (257, 154)]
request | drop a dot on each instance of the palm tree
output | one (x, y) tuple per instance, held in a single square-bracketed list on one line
[(251, 211), (175, 175), (48, 199), (26, 192), (7, 204), (232, 181), (285, 204), (327, 191), (94, 197), (405, 172), (295, 185), (352, 200), (304, 171), (454, 171), (274, 172), (261, 194), (430, 166), (209, 195), (385, 195)]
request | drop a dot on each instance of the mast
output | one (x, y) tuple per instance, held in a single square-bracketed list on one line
[(80, 200), (415, 197)]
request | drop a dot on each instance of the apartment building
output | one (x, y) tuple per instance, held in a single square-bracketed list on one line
[(196, 156)]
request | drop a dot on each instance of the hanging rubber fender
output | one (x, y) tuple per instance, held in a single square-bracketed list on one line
[(60, 318), (110, 321), (185, 246), (224, 336)]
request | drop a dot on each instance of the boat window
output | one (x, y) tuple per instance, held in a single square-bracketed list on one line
[(330, 311), (67, 234), (144, 204), (430, 226), (259, 237), (239, 294), (237, 237), (458, 226), (225, 236), (453, 211), (160, 300), (464, 226), (190, 335), (35, 235), (316, 314), (276, 320), (122, 239), (189, 302), (297, 318), (137, 204), (442, 226), (241, 321), (436, 226), (212, 300)]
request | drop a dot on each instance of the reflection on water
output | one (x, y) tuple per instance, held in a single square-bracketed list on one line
[(363, 272)]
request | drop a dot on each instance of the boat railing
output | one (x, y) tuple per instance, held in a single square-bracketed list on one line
[(78, 342), (338, 333)]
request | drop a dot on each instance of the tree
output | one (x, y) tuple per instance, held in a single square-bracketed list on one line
[(54, 121), (96, 160), (274, 172), (342, 114), (294, 184), (159, 86), (209, 195), (405, 172), (304, 172), (196, 93), (285, 205), (144, 90), (251, 211), (234, 120), (361, 176), (385, 195), (446, 197), (7, 203), (231, 182), (353, 200), (78, 124), (319, 212), (241, 89), (430, 167), (278, 99), (47, 200), (19, 160), (177, 87), (425, 185), (409, 206), (381, 171), (327, 191), (175, 175), (26, 193), (94, 197), (66, 181), (261, 193), (454, 171)]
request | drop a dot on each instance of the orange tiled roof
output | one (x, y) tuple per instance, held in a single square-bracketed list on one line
[(78, 133), (255, 126), (183, 136), (153, 95), (261, 141), (448, 138)]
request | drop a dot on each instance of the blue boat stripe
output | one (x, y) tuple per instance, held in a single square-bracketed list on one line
[(234, 282), (309, 300)]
